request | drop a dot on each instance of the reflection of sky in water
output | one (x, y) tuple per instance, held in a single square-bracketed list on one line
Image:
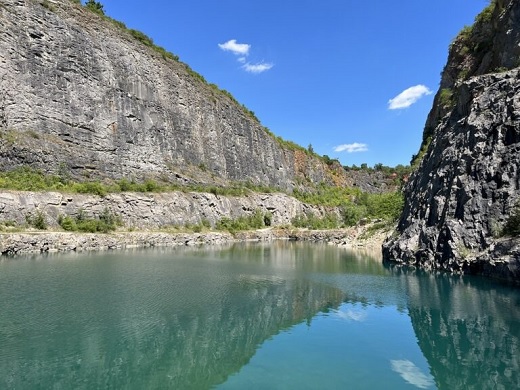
[(352, 315), (273, 316), (411, 373), (349, 348)]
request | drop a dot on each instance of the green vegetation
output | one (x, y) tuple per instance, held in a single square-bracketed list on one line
[(311, 221), (95, 6), (36, 220), (104, 223), (446, 99), (417, 158), (512, 225), (487, 13), (29, 179), (48, 5), (257, 220), (355, 204)]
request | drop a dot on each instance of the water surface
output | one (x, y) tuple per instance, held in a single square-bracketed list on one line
[(277, 316)]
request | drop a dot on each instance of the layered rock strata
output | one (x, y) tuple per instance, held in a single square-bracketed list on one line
[(81, 95)]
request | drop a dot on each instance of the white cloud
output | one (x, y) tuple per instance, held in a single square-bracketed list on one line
[(239, 49), (352, 315), (408, 97), (257, 68), (411, 373), (242, 51), (351, 148)]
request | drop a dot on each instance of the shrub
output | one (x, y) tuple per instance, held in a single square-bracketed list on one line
[(37, 221), (95, 6), (512, 225), (48, 5), (248, 222), (386, 206), (352, 214), (141, 37), (446, 98), (310, 221), (90, 187), (104, 223)]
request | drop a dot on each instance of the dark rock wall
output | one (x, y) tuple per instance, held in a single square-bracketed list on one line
[(468, 182)]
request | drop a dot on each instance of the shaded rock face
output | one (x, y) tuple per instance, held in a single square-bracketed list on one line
[(80, 94), (468, 182)]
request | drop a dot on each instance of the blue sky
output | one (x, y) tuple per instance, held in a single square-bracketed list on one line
[(355, 79)]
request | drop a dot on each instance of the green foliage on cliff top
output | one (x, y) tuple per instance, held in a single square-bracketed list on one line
[(95, 6)]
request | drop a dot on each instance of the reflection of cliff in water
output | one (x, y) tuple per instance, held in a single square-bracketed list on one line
[(467, 328), (224, 306)]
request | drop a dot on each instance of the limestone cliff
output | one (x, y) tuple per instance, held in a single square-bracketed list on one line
[(81, 94), (469, 179)]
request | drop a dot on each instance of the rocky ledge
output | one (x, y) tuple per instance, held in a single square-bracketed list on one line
[(52, 242)]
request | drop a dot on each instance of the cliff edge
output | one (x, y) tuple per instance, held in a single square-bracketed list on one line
[(467, 182), (83, 95)]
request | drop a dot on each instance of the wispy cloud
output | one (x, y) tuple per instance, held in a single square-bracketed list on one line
[(239, 49), (408, 97), (257, 68), (411, 373), (352, 315), (351, 148), (242, 51)]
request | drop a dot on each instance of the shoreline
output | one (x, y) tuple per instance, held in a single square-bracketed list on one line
[(38, 242)]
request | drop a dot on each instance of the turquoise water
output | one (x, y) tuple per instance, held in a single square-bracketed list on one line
[(278, 316)]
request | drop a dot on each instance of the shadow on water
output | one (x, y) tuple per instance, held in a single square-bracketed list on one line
[(468, 328), (150, 319)]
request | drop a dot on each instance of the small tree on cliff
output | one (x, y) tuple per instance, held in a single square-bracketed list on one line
[(95, 6)]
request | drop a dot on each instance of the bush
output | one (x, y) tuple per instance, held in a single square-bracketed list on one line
[(353, 213), (37, 221), (446, 98), (141, 37), (95, 6), (90, 187), (310, 221), (512, 225), (104, 223), (257, 220), (385, 206)]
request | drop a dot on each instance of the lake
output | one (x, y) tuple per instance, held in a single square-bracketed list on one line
[(284, 315)]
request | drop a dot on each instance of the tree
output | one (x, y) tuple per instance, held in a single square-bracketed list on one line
[(95, 6)]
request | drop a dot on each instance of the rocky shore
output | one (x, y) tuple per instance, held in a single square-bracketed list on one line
[(52, 242)]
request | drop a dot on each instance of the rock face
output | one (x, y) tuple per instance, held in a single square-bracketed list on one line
[(469, 180), (80, 95), (151, 211)]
